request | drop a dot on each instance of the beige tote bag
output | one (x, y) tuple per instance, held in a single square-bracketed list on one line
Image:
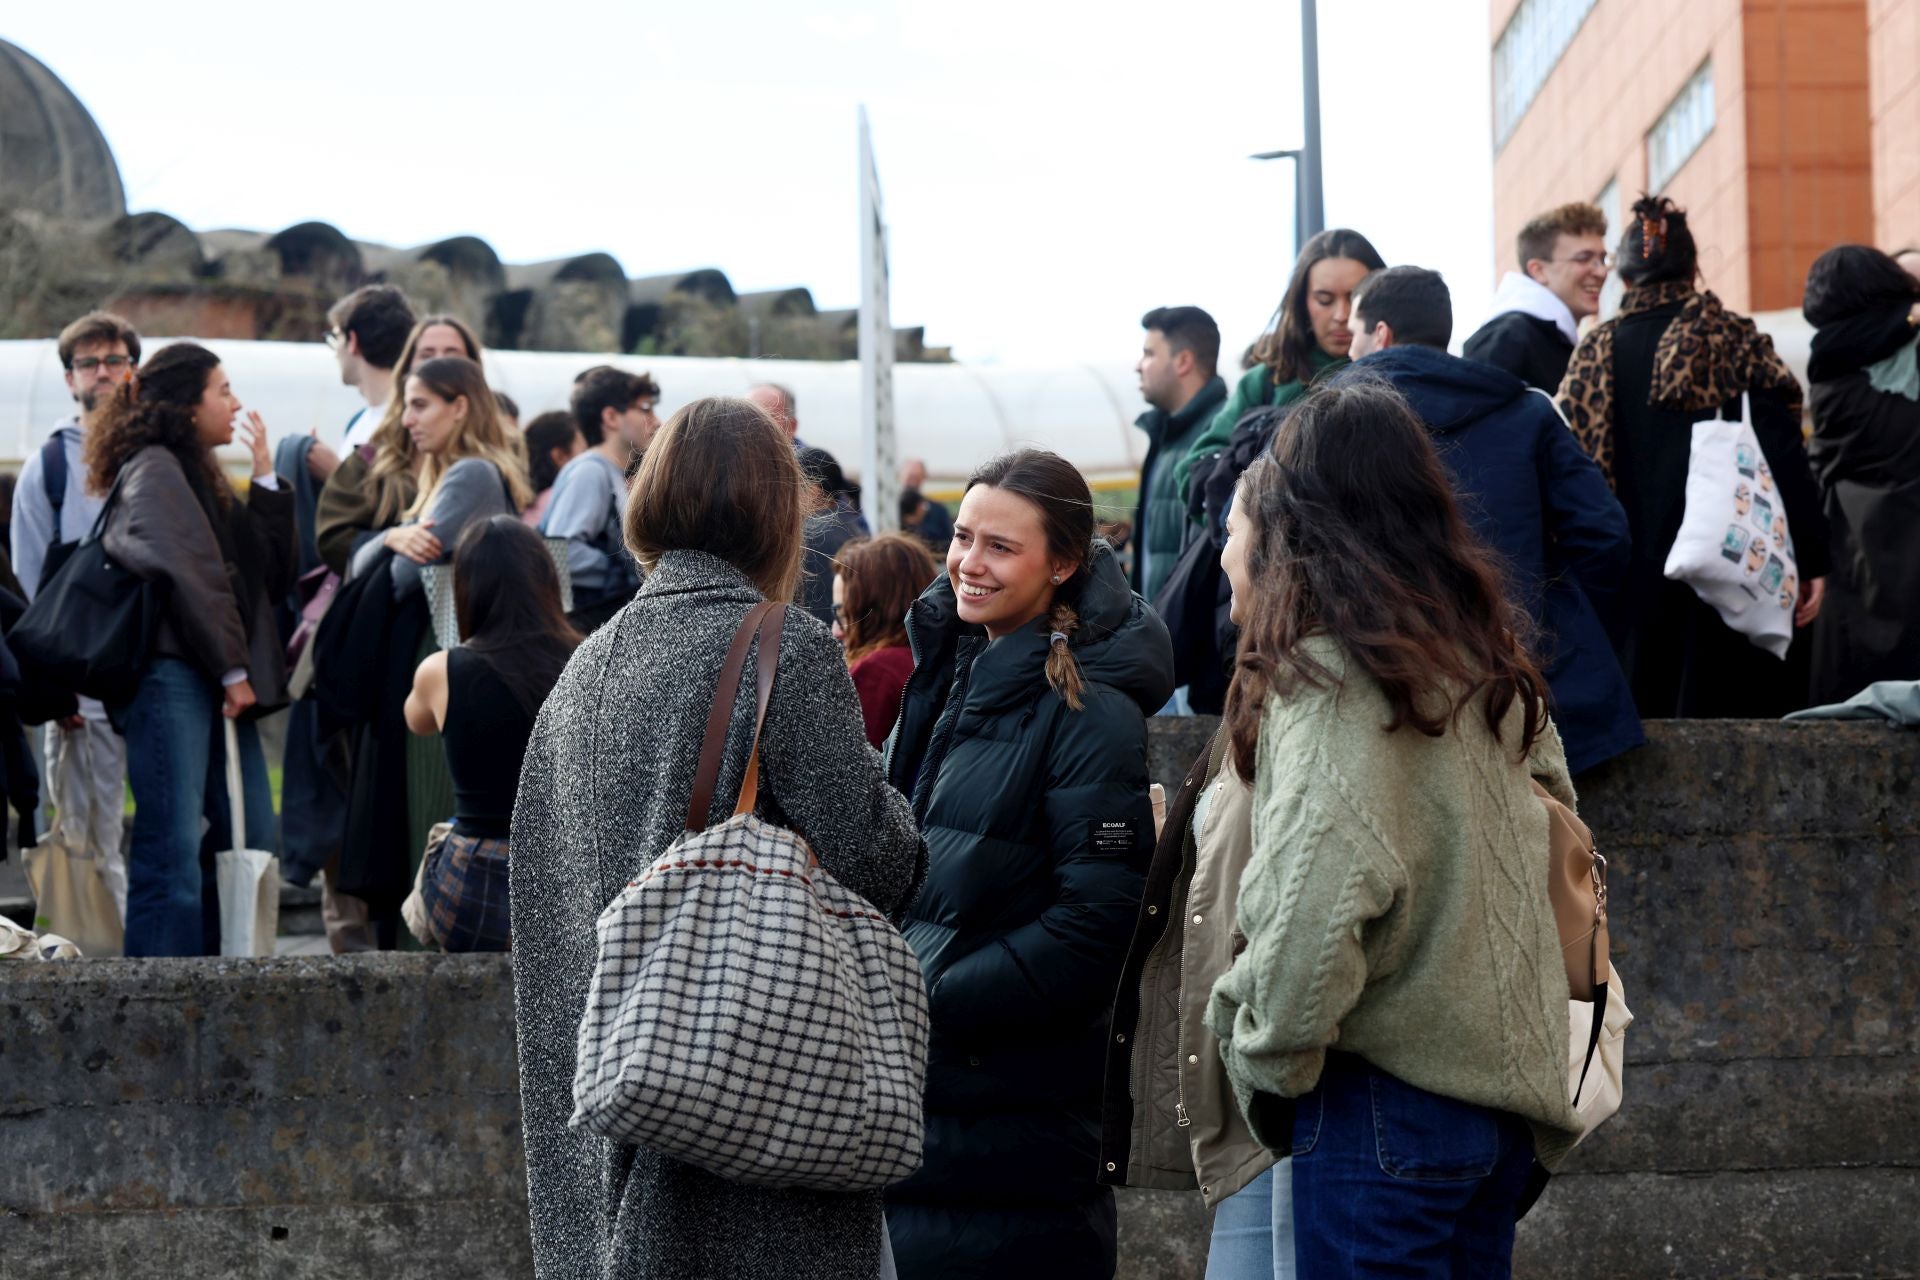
[(71, 897)]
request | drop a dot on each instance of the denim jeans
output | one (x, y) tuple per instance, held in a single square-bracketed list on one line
[(177, 764), (1390, 1180), (1253, 1230)]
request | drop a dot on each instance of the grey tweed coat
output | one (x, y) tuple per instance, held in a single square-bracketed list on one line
[(608, 773)]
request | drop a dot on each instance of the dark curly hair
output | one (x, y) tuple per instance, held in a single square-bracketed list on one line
[(157, 407), (1355, 535), (1657, 246)]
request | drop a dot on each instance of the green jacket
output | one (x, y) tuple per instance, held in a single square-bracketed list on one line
[(1160, 521), (1256, 390), (1396, 905)]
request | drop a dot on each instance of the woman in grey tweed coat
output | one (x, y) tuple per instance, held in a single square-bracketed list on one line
[(608, 774)]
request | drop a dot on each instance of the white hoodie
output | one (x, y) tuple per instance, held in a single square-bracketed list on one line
[(1529, 297)]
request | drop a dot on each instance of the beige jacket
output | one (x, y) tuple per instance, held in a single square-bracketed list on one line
[(1186, 1130)]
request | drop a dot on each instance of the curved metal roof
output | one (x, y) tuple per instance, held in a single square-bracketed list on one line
[(778, 302), (53, 157), (596, 268), (710, 283)]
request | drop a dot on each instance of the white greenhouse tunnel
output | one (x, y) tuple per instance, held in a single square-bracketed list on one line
[(952, 416)]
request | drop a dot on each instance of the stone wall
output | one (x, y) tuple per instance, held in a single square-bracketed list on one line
[(289, 1118), (359, 1117)]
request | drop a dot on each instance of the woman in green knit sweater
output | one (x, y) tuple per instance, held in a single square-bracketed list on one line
[(1397, 1020), (1309, 337)]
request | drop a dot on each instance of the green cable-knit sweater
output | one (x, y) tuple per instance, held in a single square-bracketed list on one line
[(1396, 907)]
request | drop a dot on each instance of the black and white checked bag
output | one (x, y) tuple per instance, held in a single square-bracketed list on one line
[(748, 1014)]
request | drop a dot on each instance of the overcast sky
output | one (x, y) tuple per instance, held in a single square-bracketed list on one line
[(1051, 169)]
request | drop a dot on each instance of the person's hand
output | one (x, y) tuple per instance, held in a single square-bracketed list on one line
[(1813, 593), (414, 541), (253, 433), (239, 698), (322, 461)]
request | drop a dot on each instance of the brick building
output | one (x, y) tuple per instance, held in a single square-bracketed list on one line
[(1782, 126)]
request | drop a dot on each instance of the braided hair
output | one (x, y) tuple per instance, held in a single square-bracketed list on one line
[(1059, 492)]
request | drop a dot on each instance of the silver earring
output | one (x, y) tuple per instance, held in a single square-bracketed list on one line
[(1056, 579)]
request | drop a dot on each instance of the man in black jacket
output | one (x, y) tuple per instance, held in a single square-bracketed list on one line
[(1537, 310), (1182, 391)]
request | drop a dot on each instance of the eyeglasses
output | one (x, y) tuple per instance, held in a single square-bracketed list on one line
[(1587, 258), (115, 364), (334, 338)]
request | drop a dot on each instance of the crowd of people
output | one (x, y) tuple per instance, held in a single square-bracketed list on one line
[(1421, 590)]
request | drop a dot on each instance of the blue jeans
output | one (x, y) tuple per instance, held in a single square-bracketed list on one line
[(177, 765), (1253, 1230), (1390, 1180)]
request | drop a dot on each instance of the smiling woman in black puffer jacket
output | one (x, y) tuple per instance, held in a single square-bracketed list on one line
[(1022, 743)]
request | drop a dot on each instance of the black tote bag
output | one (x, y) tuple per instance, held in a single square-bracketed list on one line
[(90, 629)]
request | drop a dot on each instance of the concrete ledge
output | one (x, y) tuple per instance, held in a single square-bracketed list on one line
[(359, 1116), (403, 1240)]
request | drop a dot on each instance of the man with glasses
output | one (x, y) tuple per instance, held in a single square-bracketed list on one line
[(366, 331), (1537, 310), (51, 504), (86, 760), (614, 411)]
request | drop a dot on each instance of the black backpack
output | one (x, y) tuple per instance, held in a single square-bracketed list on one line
[(53, 474), (1196, 600)]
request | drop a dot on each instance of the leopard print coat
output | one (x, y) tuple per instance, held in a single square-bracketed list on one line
[(1707, 356)]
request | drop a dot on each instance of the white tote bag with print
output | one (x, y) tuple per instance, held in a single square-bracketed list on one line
[(1734, 548), (249, 879)]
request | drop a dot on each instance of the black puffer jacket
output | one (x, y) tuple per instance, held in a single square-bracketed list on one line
[(1038, 830)]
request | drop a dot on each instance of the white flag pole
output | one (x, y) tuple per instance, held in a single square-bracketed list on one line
[(879, 477)]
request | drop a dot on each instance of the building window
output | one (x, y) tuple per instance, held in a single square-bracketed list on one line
[(1616, 215), (1681, 129), (1525, 54)]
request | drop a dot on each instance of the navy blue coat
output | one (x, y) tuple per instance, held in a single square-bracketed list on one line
[(1039, 830), (1533, 494)]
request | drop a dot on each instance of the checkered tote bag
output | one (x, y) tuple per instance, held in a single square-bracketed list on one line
[(748, 1014)]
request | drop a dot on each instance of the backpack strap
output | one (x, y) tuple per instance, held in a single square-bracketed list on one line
[(53, 474)]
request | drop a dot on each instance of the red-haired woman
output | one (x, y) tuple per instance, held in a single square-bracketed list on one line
[(875, 582)]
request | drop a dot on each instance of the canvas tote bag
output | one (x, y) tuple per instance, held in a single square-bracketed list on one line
[(747, 1013), (1734, 548), (249, 879), (71, 897)]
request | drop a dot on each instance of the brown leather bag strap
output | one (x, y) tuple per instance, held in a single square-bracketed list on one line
[(769, 661), (707, 776)]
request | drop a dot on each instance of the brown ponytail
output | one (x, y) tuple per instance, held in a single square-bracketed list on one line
[(1063, 673)]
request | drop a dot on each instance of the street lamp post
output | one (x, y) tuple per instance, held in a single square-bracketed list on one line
[(1309, 205)]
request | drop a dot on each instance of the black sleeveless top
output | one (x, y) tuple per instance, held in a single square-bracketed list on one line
[(486, 741)]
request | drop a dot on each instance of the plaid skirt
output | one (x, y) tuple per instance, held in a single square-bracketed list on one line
[(465, 892)]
